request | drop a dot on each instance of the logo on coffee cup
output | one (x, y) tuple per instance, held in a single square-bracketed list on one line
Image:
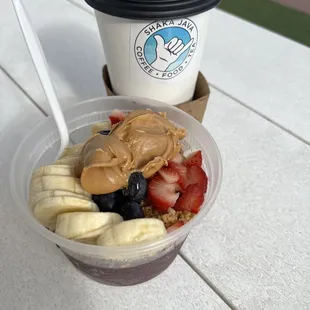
[(164, 49)]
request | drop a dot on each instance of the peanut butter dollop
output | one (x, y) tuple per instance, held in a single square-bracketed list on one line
[(144, 142)]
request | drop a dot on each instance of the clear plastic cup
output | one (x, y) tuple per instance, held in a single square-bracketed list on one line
[(122, 265)]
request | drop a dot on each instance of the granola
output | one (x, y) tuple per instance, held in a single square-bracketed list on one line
[(170, 217)]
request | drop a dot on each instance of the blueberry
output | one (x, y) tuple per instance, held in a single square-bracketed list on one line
[(104, 132), (109, 202), (137, 187), (131, 210)]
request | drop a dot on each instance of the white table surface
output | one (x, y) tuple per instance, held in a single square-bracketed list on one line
[(253, 247)]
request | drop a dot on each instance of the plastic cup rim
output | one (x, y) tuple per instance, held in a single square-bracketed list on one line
[(95, 249)]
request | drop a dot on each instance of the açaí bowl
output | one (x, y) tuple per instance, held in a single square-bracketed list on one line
[(123, 265)]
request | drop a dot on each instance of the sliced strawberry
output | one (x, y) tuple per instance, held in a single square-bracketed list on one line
[(182, 172), (196, 175), (175, 226), (162, 195), (116, 116), (194, 159), (191, 200), (169, 175), (178, 159)]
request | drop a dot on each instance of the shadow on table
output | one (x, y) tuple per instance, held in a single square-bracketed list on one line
[(76, 54)]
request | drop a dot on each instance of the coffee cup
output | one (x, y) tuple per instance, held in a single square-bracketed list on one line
[(153, 48)]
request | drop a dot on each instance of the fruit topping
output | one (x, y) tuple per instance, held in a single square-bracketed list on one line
[(78, 224), (181, 171), (131, 210), (121, 186), (175, 226), (137, 187), (194, 159), (162, 195), (196, 175), (74, 150), (191, 200), (116, 116), (109, 202), (68, 160), (178, 159), (169, 175), (104, 132), (102, 126), (132, 232), (47, 210), (56, 182)]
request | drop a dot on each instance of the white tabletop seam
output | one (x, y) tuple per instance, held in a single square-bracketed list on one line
[(24, 92), (203, 277), (260, 114)]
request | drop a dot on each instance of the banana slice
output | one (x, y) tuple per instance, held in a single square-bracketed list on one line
[(81, 225), (75, 150), (66, 170), (100, 126), (68, 160), (56, 182), (91, 237), (132, 232), (47, 210), (34, 199)]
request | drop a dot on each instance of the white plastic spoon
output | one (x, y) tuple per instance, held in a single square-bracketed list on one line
[(41, 66)]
